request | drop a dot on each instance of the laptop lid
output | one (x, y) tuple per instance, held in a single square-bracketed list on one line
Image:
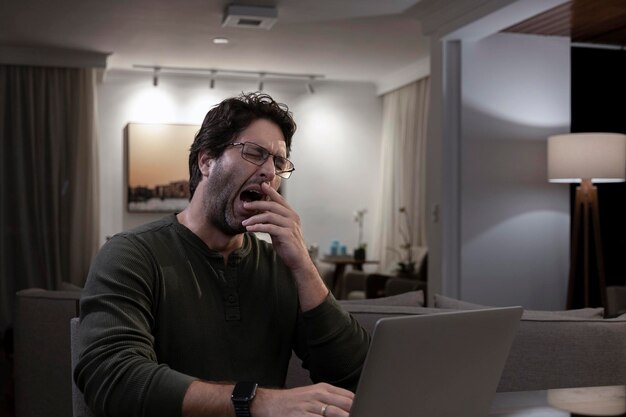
[(444, 365)]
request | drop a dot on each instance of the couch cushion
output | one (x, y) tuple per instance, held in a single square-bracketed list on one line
[(441, 301), (409, 299), (582, 313), (367, 315), (560, 349)]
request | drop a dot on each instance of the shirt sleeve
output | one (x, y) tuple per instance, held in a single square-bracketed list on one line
[(332, 344), (118, 371)]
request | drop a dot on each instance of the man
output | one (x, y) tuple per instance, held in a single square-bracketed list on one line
[(184, 316)]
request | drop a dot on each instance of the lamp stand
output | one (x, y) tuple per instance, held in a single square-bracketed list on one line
[(586, 212)]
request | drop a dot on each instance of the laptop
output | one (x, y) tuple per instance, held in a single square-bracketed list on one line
[(438, 365)]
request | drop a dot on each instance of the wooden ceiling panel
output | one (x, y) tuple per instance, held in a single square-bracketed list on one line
[(554, 22), (584, 21)]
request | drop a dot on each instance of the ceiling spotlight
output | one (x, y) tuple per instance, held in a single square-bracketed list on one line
[(212, 83), (220, 41), (155, 76)]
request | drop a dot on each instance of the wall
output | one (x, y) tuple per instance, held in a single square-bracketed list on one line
[(335, 150), (514, 224), (448, 24)]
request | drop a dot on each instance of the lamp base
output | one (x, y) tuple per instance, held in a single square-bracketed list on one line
[(586, 289)]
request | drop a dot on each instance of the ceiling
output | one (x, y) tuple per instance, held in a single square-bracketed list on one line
[(348, 40), (585, 21), (353, 40)]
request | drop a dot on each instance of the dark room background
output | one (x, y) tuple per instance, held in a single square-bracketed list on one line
[(598, 92)]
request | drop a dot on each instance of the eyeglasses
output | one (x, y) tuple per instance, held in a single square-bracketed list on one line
[(256, 154)]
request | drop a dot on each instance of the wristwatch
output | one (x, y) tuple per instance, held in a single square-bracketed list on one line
[(242, 396)]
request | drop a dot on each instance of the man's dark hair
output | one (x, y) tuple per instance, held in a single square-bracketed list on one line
[(229, 118)]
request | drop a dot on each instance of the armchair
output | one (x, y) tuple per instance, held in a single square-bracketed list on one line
[(352, 286), (358, 286), (42, 352), (398, 285)]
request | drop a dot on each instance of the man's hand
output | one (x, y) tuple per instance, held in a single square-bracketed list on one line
[(282, 223), (204, 399), (303, 401)]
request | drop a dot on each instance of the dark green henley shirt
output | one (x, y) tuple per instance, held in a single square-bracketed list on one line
[(160, 310)]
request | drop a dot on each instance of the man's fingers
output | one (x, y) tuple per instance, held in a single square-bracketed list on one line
[(268, 218), (335, 397), (341, 391), (272, 206), (273, 194), (329, 410), (339, 406)]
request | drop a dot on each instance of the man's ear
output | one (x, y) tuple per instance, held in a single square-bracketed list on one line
[(204, 162)]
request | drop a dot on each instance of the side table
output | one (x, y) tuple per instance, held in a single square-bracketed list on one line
[(341, 262)]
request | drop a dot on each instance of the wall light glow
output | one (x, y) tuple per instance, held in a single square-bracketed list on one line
[(152, 105), (199, 106)]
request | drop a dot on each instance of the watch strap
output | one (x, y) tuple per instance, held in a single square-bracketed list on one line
[(242, 408), (243, 394)]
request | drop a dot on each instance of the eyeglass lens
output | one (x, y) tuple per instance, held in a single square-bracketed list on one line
[(258, 155)]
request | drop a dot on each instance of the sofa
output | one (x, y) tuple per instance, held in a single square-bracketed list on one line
[(551, 350), (42, 367)]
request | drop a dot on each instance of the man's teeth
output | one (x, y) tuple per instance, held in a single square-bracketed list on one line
[(252, 195)]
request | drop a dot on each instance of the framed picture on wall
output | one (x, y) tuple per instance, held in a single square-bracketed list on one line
[(157, 166)]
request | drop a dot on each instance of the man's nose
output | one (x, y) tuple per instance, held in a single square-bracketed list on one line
[(268, 169)]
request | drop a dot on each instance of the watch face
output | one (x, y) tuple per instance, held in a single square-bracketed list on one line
[(244, 391)]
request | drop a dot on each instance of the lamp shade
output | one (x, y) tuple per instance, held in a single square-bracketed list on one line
[(599, 157)]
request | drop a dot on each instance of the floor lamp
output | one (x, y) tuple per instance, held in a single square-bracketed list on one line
[(586, 158)]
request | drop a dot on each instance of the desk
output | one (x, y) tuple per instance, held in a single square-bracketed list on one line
[(340, 263), (592, 401)]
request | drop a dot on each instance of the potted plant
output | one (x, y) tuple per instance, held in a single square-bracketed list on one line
[(406, 264), (360, 252)]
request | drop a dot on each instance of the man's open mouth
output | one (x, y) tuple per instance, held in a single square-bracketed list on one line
[(251, 195)]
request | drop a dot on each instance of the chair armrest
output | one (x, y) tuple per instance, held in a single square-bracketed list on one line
[(396, 285), (375, 285), (352, 281)]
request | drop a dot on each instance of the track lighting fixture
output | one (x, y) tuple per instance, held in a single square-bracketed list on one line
[(227, 73)]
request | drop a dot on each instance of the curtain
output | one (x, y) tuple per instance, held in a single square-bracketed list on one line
[(403, 174), (48, 179)]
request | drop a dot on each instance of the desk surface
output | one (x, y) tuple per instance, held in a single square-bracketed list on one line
[(346, 260), (592, 401)]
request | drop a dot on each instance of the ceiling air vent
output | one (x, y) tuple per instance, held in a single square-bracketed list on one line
[(250, 17)]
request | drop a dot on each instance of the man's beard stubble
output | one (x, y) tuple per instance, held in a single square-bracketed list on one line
[(219, 189)]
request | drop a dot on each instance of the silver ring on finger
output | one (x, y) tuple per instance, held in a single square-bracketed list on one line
[(323, 412)]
